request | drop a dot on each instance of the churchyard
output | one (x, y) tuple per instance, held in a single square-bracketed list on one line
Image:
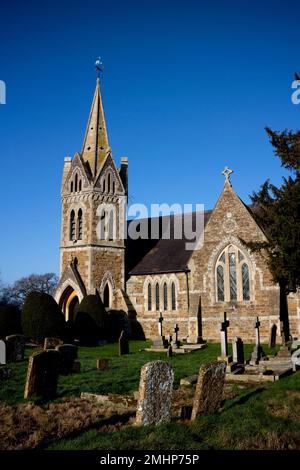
[(114, 399)]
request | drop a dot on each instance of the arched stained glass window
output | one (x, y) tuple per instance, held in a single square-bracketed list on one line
[(173, 296), (149, 297), (232, 276), (246, 282), (72, 225), (220, 282), (165, 296), (79, 225), (157, 296)]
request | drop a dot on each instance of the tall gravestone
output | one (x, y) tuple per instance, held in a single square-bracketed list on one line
[(2, 352), (224, 344), (257, 351), (155, 394), (272, 338), (17, 345), (42, 374), (160, 340), (238, 350), (209, 389), (69, 353), (123, 344), (177, 343)]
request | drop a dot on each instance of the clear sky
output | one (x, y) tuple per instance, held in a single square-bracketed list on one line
[(188, 88)]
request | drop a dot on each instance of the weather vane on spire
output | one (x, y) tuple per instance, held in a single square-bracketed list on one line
[(99, 66), (227, 172)]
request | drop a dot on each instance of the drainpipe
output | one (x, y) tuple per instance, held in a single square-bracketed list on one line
[(187, 270)]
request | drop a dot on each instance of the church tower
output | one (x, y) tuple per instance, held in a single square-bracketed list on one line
[(94, 196)]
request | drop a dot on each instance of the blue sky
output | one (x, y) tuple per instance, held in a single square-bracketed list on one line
[(188, 88)]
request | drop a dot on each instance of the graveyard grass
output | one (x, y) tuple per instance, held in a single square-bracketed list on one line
[(261, 417)]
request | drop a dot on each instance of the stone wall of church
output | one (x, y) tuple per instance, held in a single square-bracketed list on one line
[(294, 313), (229, 223), (137, 290)]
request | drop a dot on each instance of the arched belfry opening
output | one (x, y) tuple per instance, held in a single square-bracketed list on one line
[(68, 303), (107, 296)]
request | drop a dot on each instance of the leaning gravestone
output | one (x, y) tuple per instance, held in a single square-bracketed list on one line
[(155, 394), (69, 353), (17, 344), (51, 343), (123, 344), (272, 338), (42, 374), (2, 352), (209, 389)]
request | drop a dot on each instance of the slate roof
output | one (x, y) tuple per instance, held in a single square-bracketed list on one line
[(161, 255)]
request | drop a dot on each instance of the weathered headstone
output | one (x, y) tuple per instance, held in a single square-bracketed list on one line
[(51, 343), (2, 352), (238, 350), (17, 344), (170, 351), (257, 351), (69, 353), (209, 389), (272, 337), (123, 344), (42, 374), (102, 363), (155, 394), (224, 345)]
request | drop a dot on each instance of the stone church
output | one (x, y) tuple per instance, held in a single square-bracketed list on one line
[(147, 277)]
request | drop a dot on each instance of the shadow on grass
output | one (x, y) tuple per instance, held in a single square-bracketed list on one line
[(243, 399)]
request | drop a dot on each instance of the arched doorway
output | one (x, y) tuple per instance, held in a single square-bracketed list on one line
[(68, 302), (107, 296)]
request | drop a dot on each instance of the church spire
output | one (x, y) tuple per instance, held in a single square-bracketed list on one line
[(95, 145)]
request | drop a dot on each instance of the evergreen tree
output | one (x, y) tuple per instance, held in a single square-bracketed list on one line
[(277, 211)]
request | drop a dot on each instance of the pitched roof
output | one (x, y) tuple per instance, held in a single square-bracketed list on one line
[(161, 255)]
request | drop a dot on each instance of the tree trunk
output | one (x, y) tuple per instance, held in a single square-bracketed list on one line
[(283, 312)]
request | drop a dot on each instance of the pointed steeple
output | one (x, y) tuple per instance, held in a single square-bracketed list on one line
[(95, 145)]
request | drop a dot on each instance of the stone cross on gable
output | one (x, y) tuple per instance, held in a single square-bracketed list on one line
[(223, 332), (227, 172), (256, 326), (160, 321)]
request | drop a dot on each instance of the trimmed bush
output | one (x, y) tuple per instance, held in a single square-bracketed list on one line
[(10, 320), (90, 320), (42, 317), (117, 321)]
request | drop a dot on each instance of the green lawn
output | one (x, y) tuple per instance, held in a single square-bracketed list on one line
[(262, 417), (123, 374)]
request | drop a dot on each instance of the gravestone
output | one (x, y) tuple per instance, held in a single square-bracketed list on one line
[(42, 374), (76, 367), (123, 344), (224, 345), (209, 389), (69, 353), (160, 341), (272, 337), (238, 350), (155, 394), (102, 363), (17, 345), (51, 343), (2, 352), (257, 351), (176, 329)]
